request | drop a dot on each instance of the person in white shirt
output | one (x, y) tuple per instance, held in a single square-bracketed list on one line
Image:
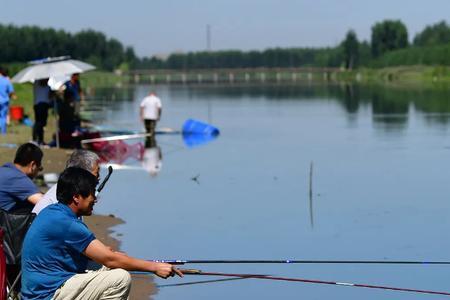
[(150, 112), (79, 158)]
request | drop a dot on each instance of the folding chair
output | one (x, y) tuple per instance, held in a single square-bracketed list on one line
[(2, 268), (14, 225)]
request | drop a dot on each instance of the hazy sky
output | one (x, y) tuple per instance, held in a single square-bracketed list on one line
[(164, 26)]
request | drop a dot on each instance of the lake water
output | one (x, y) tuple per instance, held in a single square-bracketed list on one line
[(380, 187)]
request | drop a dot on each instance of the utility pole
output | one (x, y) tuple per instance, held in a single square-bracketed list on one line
[(208, 37)]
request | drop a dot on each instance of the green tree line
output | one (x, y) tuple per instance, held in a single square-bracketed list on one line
[(389, 46), (26, 43)]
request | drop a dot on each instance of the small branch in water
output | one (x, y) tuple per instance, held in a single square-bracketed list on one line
[(311, 215)]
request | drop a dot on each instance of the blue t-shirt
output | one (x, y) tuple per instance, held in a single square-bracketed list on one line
[(15, 187), (6, 88), (53, 251), (41, 93), (72, 91)]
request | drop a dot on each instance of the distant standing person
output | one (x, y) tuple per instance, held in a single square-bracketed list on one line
[(6, 92), (150, 112), (42, 102), (69, 107), (17, 190), (73, 92)]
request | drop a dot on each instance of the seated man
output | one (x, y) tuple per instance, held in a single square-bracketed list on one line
[(18, 193), (58, 245), (79, 158)]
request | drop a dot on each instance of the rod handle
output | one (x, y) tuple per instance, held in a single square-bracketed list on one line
[(190, 271)]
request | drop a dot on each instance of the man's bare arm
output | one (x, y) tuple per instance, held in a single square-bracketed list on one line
[(102, 254), (159, 113), (141, 113), (35, 198)]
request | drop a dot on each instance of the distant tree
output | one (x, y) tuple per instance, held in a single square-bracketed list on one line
[(387, 36), (89, 43), (22, 44), (176, 61), (149, 63), (130, 57), (365, 53), (433, 35), (351, 50)]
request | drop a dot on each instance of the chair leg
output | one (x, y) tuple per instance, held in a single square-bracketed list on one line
[(11, 293), (16, 281)]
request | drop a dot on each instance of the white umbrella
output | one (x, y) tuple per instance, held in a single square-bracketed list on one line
[(57, 67), (55, 83), (51, 68)]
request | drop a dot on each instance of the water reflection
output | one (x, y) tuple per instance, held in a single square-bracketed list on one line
[(351, 98), (193, 140), (142, 155), (390, 105), (152, 158), (119, 151)]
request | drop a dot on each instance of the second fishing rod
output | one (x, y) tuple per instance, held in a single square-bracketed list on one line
[(295, 261)]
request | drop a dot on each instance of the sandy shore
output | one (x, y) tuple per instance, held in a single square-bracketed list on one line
[(53, 162)]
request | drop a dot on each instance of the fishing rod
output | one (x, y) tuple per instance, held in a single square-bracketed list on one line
[(389, 262), (116, 138), (198, 282), (130, 136), (268, 277)]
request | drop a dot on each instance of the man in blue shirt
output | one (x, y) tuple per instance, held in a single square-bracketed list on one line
[(58, 244), (69, 107), (17, 190), (73, 90), (6, 92)]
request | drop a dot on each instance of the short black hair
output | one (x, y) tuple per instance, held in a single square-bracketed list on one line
[(75, 181), (27, 153)]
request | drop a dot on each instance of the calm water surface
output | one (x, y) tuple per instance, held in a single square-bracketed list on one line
[(380, 188)]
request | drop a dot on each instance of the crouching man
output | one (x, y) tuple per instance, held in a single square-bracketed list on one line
[(58, 245)]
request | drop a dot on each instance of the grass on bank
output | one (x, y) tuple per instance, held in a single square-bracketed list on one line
[(420, 76)]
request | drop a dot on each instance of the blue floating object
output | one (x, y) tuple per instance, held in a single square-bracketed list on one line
[(192, 126), (193, 139), (196, 133)]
